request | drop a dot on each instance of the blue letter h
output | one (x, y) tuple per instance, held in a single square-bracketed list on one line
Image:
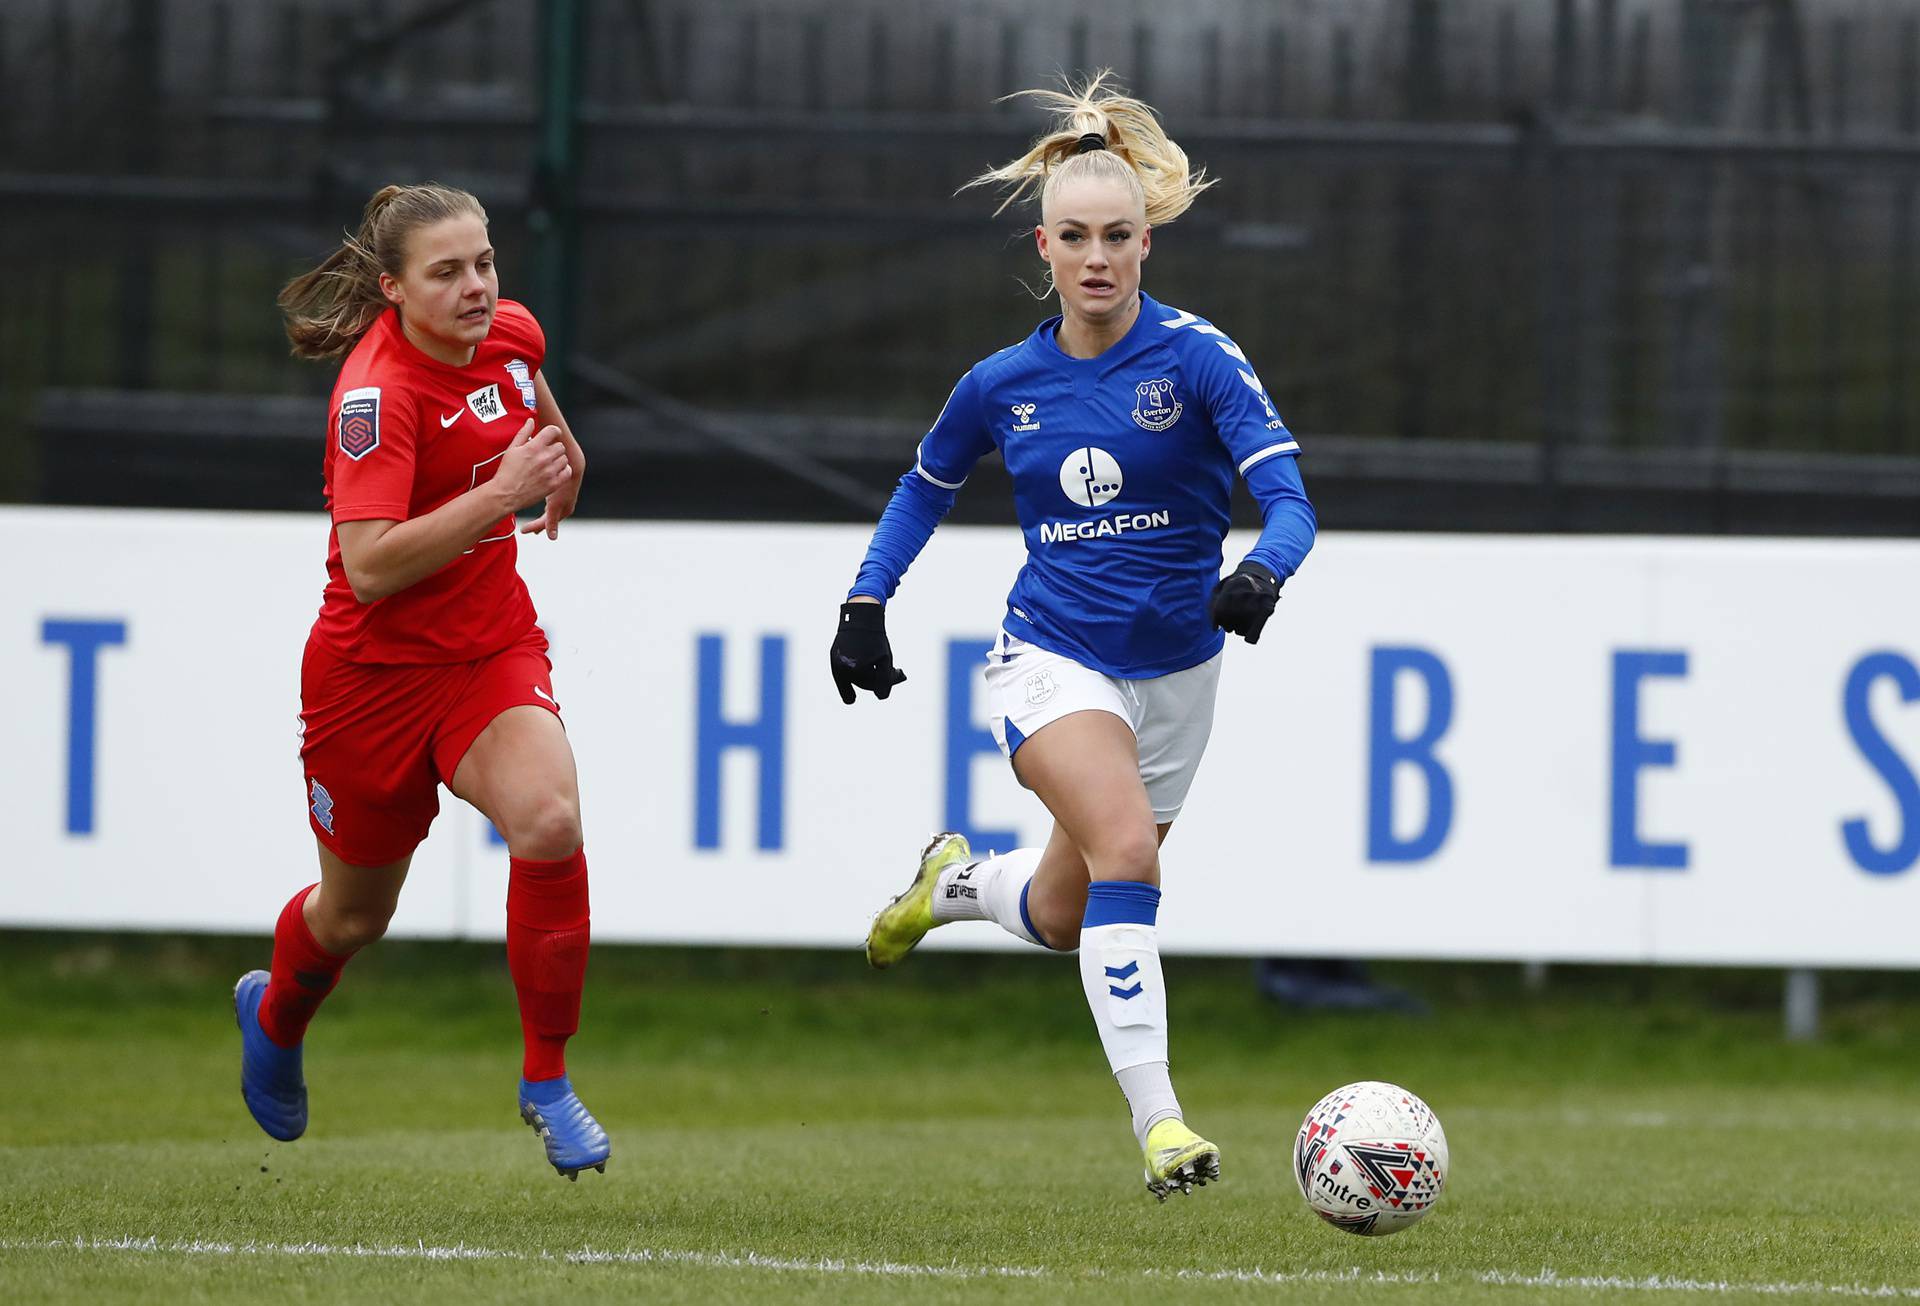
[(765, 735)]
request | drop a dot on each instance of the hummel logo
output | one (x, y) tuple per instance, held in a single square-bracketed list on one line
[(1125, 972), (450, 419), (1023, 417), (549, 697)]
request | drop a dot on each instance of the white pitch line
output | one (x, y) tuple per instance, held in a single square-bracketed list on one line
[(421, 1251), (755, 1261)]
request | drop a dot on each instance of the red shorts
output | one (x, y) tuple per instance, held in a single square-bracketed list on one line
[(377, 740)]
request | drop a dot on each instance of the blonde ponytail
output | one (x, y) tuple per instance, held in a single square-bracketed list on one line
[(1137, 153), (328, 309)]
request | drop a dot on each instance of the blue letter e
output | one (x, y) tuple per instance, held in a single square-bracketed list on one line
[(1631, 753), (1387, 750), (966, 741)]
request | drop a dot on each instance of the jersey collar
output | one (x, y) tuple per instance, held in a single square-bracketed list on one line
[(418, 357), (1047, 345)]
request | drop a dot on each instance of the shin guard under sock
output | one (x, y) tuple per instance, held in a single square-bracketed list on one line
[(303, 974), (1120, 971), (547, 937)]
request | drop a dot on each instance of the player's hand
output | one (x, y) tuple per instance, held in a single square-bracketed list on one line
[(861, 657), (533, 467), (560, 503), (1243, 601)]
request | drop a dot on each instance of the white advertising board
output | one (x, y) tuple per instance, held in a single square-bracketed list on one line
[(1446, 747)]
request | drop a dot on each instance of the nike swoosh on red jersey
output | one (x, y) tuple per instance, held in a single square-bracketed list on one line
[(451, 418)]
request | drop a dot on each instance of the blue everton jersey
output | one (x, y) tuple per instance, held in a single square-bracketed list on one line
[(1122, 470)]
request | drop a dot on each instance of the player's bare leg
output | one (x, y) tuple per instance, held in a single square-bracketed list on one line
[(520, 773), (318, 932), (1057, 899), (1086, 770), (352, 905)]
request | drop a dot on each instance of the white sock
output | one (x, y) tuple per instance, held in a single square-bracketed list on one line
[(956, 894), (1150, 1097), (994, 889), (1120, 971)]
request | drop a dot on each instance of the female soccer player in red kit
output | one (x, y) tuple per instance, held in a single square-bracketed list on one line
[(425, 666)]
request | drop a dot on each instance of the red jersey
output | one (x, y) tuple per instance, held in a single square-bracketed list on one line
[(406, 434)]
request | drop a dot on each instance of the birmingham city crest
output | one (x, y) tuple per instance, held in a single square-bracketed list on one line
[(523, 380)]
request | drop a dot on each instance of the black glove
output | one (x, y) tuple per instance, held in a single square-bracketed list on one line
[(861, 655), (1243, 601)]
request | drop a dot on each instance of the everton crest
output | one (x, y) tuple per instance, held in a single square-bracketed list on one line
[(1154, 406)]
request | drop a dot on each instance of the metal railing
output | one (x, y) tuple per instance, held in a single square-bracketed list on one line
[(1593, 228)]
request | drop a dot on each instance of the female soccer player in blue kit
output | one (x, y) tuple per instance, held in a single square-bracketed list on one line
[(1122, 422)]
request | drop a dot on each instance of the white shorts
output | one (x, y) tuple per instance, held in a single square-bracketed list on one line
[(1171, 715)]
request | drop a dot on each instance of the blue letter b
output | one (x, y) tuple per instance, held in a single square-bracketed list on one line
[(1386, 750)]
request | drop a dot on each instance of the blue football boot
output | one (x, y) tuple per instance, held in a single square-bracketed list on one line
[(574, 1139), (270, 1076)]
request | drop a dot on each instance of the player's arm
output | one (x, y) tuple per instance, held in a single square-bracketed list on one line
[(862, 657), (383, 557), (560, 503), (926, 493), (1267, 457), (1287, 516)]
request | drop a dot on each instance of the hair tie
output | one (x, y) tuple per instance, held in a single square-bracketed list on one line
[(1090, 142)]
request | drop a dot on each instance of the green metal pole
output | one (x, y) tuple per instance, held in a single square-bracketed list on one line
[(554, 219)]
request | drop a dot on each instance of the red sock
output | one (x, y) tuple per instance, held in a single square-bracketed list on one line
[(302, 976), (547, 933)]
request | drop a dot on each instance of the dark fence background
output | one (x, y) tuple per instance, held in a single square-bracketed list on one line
[(1504, 264)]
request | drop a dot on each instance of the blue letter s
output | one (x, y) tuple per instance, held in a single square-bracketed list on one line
[(1880, 756)]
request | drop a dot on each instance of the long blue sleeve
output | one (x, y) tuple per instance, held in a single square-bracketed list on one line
[(925, 495), (1290, 523), (1257, 441), (917, 506)]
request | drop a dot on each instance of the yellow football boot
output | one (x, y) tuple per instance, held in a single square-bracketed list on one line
[(1178, 1158), (906, 920)]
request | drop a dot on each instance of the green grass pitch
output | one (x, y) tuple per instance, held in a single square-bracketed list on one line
[(789, 1127)]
